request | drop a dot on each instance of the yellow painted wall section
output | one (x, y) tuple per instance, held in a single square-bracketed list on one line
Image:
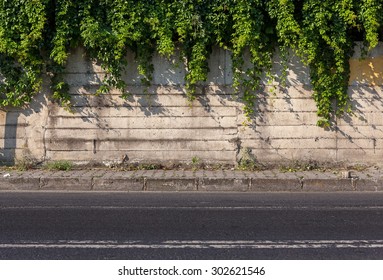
[(368, 71)]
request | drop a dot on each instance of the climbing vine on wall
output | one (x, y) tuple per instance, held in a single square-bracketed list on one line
[(37, 36), (22, 25)]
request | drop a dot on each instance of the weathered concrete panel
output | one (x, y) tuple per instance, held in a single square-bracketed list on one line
[(168, 71), (285, 118), (78, 64), (367, 71), (370, 131), (178, 145), (137, 134), (142, 156), (362, 119), (286, 105), (125, 112), (285, 132), (220, 65), (370, 156), (73, 144), (313, 143), (369, 93), (359, 143), (153, 100), (279, 156), (142, 122), (287, 92)]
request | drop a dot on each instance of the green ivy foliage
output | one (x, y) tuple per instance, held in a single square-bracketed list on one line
[(37, 36), (328, 46), (22, 25)]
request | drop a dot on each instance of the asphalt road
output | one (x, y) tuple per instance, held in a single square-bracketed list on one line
[(191, 225)]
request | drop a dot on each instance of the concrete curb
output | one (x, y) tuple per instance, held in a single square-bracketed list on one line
[(188, 181)]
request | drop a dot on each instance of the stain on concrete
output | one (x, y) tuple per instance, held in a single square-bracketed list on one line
[(367, 71)]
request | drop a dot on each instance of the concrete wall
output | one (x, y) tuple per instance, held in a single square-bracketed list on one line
[(158, 124)]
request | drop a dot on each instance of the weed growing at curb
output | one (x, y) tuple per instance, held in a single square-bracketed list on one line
[(357, 167), (24, 164), (248, 162), (302, 166), (195, 163), (60, 165)]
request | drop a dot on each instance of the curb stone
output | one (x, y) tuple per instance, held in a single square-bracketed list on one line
[(185, 181), (19, 184), (174, 184), (65, 184), (117, 184), (276, 185)]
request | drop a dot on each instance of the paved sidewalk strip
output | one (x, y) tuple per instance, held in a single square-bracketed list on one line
[(191, 181)]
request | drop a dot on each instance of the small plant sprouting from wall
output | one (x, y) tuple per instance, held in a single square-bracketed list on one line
[(25, 163), (248, 162), (196, 163), (37, 36)]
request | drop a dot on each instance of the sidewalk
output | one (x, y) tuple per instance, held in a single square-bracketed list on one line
[(192, 181)]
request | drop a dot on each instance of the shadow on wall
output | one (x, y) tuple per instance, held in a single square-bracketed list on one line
[(168, 79), (284, 119), (293, 85), (163, 104), (85, 77), (363, 128), (16, 133), (361, 132), (7, 152)]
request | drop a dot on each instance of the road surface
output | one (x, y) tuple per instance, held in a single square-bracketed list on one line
[(57, 225)]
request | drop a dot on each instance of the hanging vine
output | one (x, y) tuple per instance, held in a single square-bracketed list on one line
[(22, 25), (65, 27), (328, 46), (252, 33), (371, 18), (38, 36)]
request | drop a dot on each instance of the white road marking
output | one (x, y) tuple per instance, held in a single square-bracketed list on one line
[(196, 244), (196, 207)]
